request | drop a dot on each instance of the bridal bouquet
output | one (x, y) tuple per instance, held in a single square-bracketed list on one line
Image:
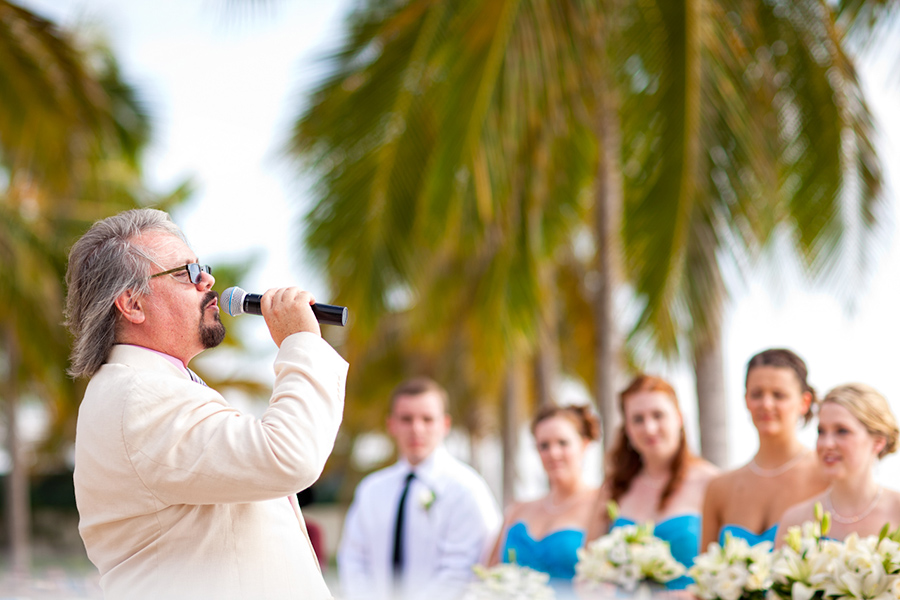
[(803, 566), (733, 571), (627, 556), (509, 582), (865, 568), (811, 567)]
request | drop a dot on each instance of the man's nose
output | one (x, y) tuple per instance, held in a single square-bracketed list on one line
[(206, 281)]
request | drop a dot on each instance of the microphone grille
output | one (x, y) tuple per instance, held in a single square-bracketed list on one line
[(232, 301)]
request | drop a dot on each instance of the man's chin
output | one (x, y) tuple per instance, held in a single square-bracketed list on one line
[(212, 335)]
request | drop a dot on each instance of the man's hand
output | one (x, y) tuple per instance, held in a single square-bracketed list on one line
[(287, 311)]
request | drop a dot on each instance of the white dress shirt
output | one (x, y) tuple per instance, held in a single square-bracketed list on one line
[(451, 516)]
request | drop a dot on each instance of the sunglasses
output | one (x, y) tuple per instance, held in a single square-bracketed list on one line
[(194, 271)]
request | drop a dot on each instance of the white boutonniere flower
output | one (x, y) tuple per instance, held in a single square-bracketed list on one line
[(426, 499)]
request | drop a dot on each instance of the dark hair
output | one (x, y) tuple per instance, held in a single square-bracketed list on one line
[(624, 462), (418, 386), (782, 358), (586, 422)]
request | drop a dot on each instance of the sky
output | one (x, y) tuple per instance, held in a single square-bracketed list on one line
[(224, 82)]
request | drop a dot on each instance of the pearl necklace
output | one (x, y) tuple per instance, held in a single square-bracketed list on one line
[(777, 470), (855, 518)]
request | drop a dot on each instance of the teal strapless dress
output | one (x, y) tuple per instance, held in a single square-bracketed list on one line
[(554, 554), (752, 538), (683, 534)]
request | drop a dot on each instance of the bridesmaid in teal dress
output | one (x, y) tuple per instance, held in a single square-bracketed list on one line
[(747, 502), (652, 475), (545, 534), (856, 430)]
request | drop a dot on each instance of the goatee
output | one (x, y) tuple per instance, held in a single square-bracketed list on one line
[(210, 335)]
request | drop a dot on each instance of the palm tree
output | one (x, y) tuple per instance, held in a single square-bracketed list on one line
[(780, 147), (71, 132), (436, 133), (455, 159)]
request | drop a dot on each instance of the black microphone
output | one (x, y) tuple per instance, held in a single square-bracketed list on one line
[(235, 301)]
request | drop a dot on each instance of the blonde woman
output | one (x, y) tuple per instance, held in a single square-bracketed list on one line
[(856, 429)]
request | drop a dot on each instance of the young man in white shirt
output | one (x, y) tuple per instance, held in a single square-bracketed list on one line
[(416, 536)]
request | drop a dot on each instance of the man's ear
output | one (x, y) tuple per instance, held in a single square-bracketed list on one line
[(129, 305)]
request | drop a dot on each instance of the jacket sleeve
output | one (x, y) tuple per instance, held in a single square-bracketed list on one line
[(188, 446)]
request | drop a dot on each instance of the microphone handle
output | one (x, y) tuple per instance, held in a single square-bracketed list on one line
[(326, 314)]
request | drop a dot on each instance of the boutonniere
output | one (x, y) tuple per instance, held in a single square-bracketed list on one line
[(426, 499)]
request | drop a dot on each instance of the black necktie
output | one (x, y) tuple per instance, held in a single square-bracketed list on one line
[(398, 528)]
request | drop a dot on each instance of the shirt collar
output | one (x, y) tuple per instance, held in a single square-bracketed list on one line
[(427, 467), (168, 357)]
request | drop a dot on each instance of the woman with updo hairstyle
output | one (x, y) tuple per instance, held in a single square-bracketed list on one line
[(545, 534), (652, 475), (856, 429), (747, 502)]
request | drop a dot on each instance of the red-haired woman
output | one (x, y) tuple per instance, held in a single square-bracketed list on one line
[(652, 475)]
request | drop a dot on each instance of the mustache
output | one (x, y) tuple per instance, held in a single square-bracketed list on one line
[(209, 297)]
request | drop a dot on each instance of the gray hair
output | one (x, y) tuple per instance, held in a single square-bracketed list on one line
[(103, 264)]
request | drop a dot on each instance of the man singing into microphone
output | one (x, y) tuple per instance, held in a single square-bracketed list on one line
[(179, 494)]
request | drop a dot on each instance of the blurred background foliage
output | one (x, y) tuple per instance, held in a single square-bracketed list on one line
[(509, 170)]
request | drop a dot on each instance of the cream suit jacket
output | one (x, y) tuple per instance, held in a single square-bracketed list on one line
[(182, 496)]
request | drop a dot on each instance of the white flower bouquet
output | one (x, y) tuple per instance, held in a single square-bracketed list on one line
[(811, 567), (802, 567), (509, 582), (626, 557), (733, 571), (865, 568)]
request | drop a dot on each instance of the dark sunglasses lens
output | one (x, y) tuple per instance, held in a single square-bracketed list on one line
[(195, 269)]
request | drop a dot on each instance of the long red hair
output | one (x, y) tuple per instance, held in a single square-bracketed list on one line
[(623, 462)]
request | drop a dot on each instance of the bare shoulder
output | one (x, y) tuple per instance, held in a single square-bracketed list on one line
[(893, 499), (519, 510), (703, 470), (724, 480), (597, 494), (798, 513), (514, 511)]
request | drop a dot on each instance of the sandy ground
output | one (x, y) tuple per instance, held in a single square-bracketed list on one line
[(73, 582)]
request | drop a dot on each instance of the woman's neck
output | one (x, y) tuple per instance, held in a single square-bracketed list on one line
[(775, 451), (562, 489), (656, 470), (853, 493)]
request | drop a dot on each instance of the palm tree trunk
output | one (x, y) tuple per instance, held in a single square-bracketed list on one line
[(546, 358), (511, 420), (17, 492), (709, 372), (608, 200)]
